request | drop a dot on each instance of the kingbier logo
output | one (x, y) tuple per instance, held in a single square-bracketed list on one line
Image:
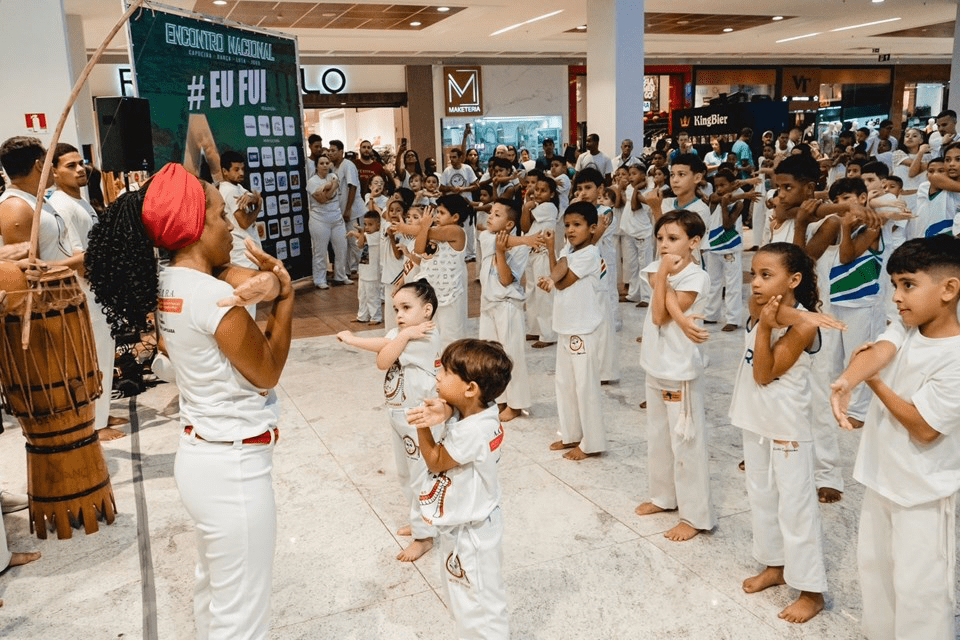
[(712, 120), (684, 121), (463, 93)]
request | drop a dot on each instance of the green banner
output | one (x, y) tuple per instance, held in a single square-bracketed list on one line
[(214, 88)]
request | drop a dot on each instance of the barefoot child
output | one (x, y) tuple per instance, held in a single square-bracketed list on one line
[(575, 277), (679, 476), (462, 495), (774, 379), (501, 300), (409, 354), (445, 269), (539, 215), (909, 457)]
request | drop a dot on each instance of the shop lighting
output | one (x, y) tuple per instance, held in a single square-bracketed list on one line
[(220, 2), (582, 27), (415, 23), (865, 24), (443, 9), (777, 18), (806, 35), (728, 30), (520, 24)]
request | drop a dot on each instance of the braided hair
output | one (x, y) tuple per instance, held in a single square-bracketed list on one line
[(121, 265), (795, 260)]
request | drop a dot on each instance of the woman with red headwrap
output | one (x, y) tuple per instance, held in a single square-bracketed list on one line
[(225, 368)]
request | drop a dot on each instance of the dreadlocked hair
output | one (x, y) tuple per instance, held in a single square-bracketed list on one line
[(795, 260), (122, 267)]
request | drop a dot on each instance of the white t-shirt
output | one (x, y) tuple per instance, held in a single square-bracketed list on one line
[(56, 238), (391, 267), (492, 289), (368, 269), (600, 162), (544, 218), (665, 352), (576, 309), (563, 191), (76, 212), (413, 377), (238, 256), (215, 398), (445, 271), (470, 491), (636, 223), (462, 177), (380, 202), (926, 373), (788, 397), (698, 206), (934, 214), (331, 210), (347, 173)]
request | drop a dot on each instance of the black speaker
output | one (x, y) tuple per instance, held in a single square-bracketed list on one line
[(126, 134)]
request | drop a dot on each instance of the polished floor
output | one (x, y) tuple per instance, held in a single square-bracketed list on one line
[(578, 563)]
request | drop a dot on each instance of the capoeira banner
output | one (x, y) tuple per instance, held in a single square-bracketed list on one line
[(214, 88)]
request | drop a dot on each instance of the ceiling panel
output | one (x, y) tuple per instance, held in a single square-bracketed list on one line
[(941, 30)]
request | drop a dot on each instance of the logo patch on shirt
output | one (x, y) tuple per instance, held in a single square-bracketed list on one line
[(497, 440), (170, 305), (436, 496)]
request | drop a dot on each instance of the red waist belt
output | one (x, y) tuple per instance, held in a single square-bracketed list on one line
[(263, 438)]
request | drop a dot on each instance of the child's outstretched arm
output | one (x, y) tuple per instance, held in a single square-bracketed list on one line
[(771, 362), (866, 363), (389, 353), (367, 344), (433, 412)]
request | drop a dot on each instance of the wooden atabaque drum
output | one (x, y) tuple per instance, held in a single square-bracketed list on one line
[(51, 387)]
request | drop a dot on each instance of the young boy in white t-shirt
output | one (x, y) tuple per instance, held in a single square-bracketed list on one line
[(909, 457), (462, 496), (679, 476), (724, 260), (636, 235), (686, 172), (577, 315), (369, 290)]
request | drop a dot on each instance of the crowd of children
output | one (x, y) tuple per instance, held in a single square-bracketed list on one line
[(824, 326)]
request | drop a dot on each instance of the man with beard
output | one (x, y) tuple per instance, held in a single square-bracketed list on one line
[(593, 157), (368, 166)]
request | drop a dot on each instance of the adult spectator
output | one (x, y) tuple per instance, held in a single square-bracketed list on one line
[(407, 164), (368, 165), (242, 208), (593, 157), (315, 145), (946, 130), (741, 149), (543, 162), (351, 204), (626, 158)]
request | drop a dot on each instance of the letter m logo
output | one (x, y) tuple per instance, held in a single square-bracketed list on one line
[(464, 94)]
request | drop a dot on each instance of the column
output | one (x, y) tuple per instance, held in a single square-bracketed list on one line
[(953, 100), (37, 74), (420, 111), (615, 63)]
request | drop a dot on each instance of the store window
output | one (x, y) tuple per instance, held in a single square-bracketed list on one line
[(520, 131)]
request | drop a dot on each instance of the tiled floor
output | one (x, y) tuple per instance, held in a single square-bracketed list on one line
[(578, 563)]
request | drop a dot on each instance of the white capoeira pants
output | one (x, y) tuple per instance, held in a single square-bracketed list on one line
[(677, 462), (863, 325), (322, 233), (726, 273), (907, 561), (451, 319), (826, 436), (637, 254), (228, 492), (471, 557), (760, 220), (607, 336), (370, 296), (411, 470), (539, 302), (577, 384), (785, 511), (503, 322)]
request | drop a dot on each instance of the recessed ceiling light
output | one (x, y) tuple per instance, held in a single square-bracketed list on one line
[(220, 2), (778, 17), (415, 23), (443, 9), (582, 27), (876, 1), (728, 30)]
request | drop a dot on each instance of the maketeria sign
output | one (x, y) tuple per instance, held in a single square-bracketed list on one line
[(731, 118), (214, 88)]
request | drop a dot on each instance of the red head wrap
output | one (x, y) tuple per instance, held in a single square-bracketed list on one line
[(174, 208)]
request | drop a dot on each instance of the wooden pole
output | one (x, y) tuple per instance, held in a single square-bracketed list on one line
[(48, 160)]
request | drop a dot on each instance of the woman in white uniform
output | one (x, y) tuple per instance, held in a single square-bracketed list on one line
[(225, 369)]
